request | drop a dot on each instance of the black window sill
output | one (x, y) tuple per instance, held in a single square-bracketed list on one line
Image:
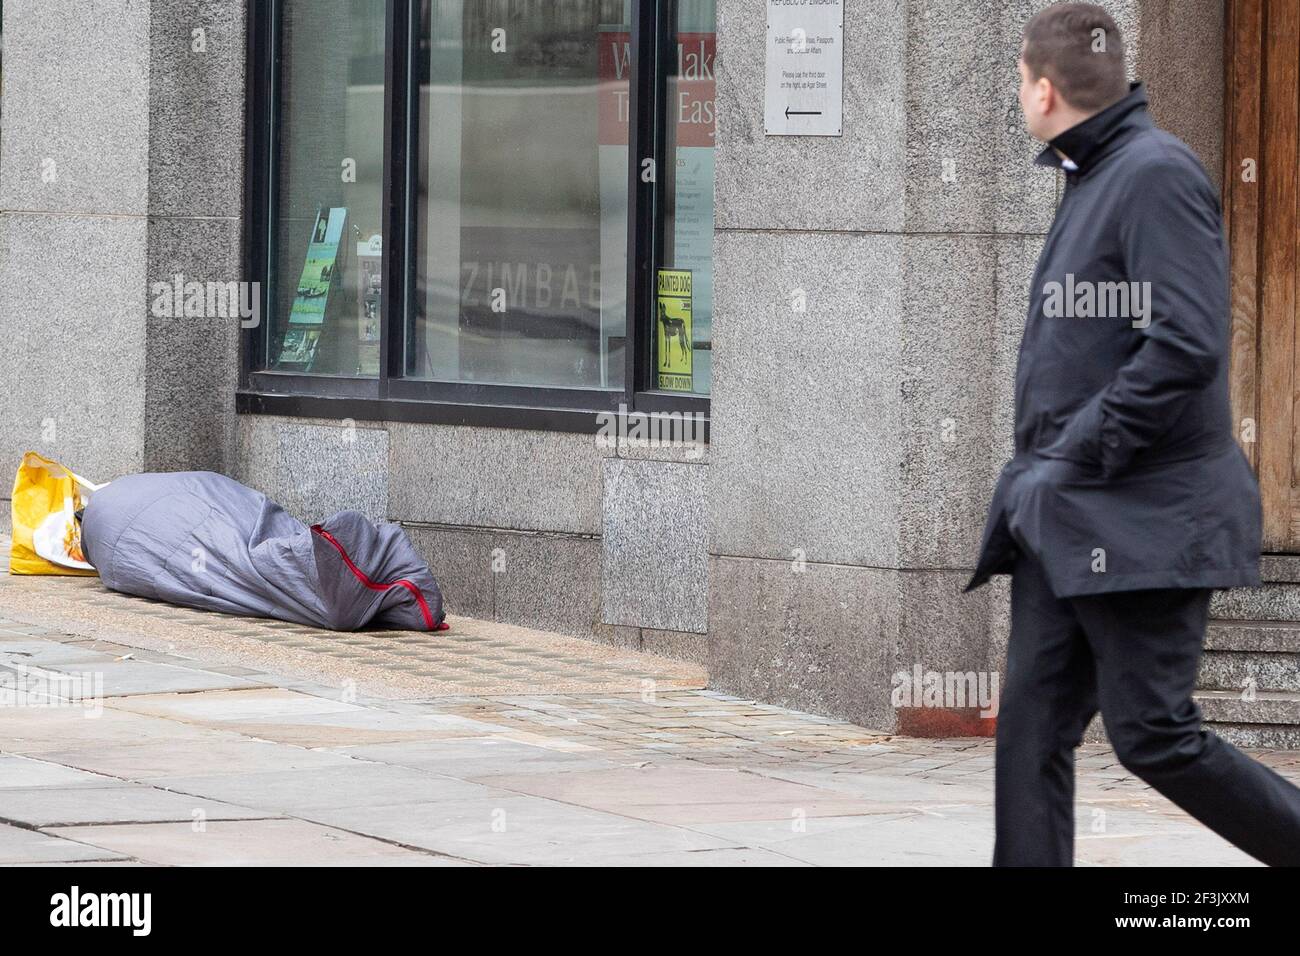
[(370, 408)]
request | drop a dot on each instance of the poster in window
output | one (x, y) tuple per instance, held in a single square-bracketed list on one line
[(299, 347), (673, 330), (318, 271), (307, 314)]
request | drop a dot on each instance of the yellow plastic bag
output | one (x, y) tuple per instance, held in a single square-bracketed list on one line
[(47, 534)]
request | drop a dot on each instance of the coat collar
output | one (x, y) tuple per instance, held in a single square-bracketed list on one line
[(1090, 140)]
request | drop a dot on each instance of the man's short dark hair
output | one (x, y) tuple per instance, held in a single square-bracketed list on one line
[(1078, 47)]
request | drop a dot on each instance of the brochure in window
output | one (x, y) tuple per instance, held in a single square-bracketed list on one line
[(299, 348), (307, 315)]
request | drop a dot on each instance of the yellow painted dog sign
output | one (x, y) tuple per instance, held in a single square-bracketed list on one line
[(673, 330)]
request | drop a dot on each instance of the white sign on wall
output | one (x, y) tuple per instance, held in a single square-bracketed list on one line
[(804, 94)]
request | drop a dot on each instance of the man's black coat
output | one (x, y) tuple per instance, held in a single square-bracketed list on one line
[(1126, 474)]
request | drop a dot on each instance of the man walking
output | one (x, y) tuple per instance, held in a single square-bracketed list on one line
[(1127, 499)]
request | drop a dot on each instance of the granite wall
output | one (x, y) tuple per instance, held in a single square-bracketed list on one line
[(840, 561), (121, 165)]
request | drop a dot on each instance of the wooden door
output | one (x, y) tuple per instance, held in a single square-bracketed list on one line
[(1262, 218)]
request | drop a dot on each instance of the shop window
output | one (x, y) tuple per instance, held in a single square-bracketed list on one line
[(497, 211), (683, 340), (522, 200), (326, 228)]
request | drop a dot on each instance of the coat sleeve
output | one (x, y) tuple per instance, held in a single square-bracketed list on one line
[(1172, 245)]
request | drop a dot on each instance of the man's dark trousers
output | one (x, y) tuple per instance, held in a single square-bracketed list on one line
[(1134, 656)]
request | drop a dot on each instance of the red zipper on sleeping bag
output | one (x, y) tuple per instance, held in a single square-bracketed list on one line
[(361, 576)]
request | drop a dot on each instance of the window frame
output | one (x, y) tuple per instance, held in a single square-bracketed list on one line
[(391, 396)]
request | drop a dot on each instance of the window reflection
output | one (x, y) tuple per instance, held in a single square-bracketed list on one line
[(522, 217)]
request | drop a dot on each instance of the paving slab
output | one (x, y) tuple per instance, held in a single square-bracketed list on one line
[(84, 864), (723, 856), (37, 652), (480, 757), (1193, 846), (20, 846), (365, 727), (37, 731), (123, 678), (121, 803), (211, 753), (248, 843), (355, 784), (215, 707), (885, 789), (26, 772), (683, 794), (945, 836), (303, 720), (813, 841), (519, 830)]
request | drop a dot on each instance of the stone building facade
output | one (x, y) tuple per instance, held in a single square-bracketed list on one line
[(820, 543)]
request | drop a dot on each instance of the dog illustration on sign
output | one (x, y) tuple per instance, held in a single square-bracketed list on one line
[(675, 329)]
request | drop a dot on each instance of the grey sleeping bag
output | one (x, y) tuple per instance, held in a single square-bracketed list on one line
[(203, 540)]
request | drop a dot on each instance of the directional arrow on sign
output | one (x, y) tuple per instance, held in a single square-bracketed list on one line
[(789, 112)]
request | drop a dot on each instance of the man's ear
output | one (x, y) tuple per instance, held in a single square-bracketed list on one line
[(1048, 98)]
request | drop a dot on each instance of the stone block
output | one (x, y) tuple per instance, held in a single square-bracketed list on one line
[(72, 301), (654, 564)]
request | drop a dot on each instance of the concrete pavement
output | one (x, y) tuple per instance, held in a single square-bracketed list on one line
[(160, 747)]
